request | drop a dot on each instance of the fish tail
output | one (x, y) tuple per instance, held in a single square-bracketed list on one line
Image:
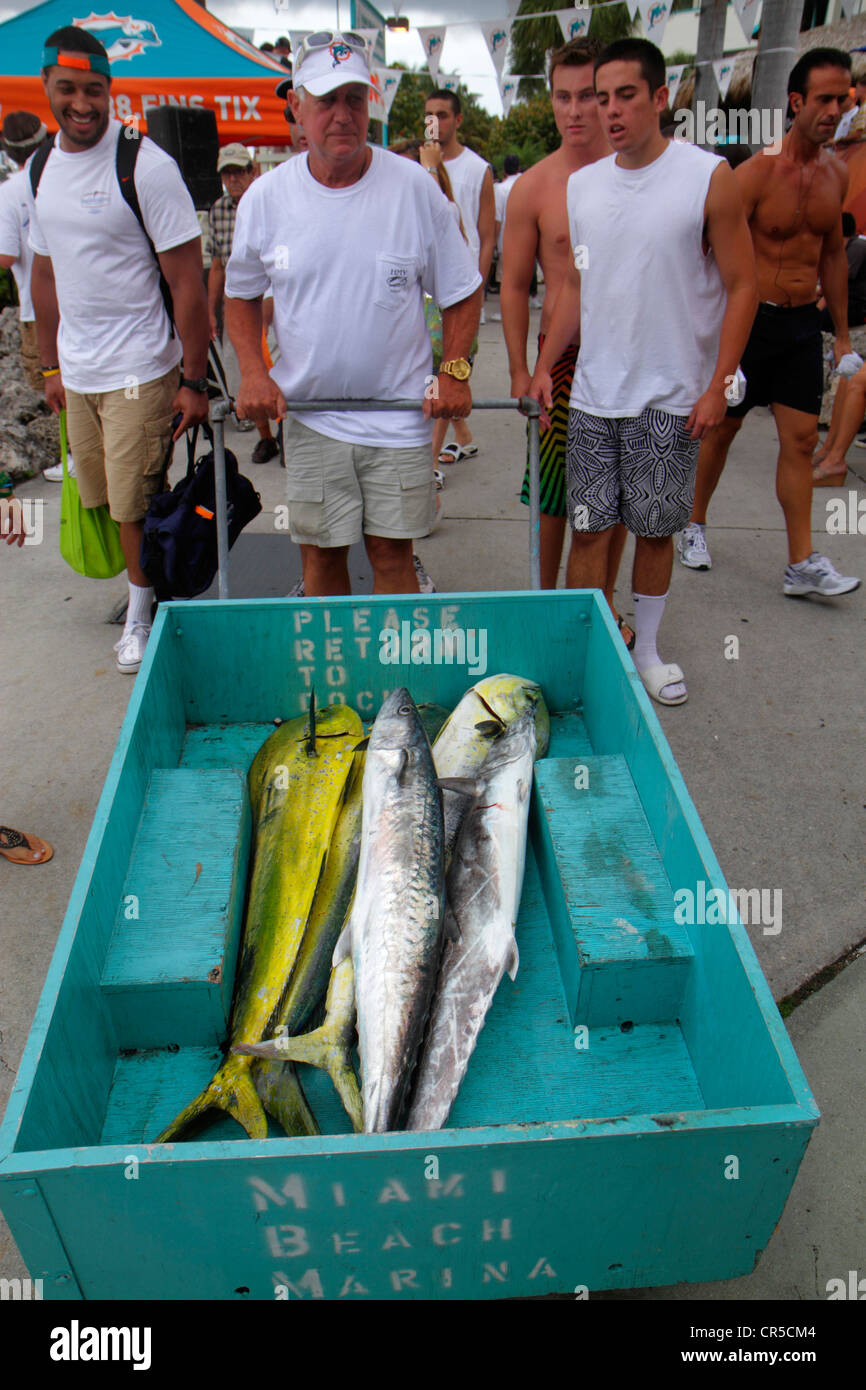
[(282, 1095), (327, 1048), (231, 1090)]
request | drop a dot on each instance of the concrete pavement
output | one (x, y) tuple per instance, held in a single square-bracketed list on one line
[(770, 744)]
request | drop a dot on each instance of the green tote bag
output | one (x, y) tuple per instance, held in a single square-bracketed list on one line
[(89, 537)]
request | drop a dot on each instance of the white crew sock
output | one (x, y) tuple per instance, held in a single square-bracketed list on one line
[(139, 606), (648, 610)]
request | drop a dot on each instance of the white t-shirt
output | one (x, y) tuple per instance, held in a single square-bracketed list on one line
[(14, 232), (651, 302), (500, 194), (466, 173), (348, 268), (113, 324)]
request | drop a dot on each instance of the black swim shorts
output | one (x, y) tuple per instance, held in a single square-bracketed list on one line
[(783, 360)]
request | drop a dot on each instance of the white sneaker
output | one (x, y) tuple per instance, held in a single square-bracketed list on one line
[(130, 648), (692, 547), (55, 473), (536, 303), (817, 575), (425, 583)]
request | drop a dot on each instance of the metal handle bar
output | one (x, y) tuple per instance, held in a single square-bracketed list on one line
[(530, 408)]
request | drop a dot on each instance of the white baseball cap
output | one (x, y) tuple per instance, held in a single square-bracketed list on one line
[(321, 67)]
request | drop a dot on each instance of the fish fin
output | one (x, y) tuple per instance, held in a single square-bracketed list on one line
[(402, 765), (343, 947), (490, 728), (466, 786), (311, 742), (282, 1095), (450, 925), (359, 747), (512, 958), (231, 1090), (330, 1049)]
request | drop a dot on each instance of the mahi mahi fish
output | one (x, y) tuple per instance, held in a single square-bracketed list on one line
[(331, 1045), (394, 931), (483, 887), (467, 736), (297, 780)]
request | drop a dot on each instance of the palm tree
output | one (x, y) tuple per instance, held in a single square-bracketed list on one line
[(532, 39), (777, 53)]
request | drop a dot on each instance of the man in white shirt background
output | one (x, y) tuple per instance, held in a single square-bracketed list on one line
[(663, 319), (349, 237), (472, 184), (110, 353)]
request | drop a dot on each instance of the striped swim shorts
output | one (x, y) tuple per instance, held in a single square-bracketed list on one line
[(551, 453)]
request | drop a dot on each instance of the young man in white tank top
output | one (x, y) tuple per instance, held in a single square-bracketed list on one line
[(663, 289), (472, 185)]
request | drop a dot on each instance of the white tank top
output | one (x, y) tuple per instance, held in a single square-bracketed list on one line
[(466, 173), (651, 302)]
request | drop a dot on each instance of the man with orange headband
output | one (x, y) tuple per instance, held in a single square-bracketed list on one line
[(119, 301)]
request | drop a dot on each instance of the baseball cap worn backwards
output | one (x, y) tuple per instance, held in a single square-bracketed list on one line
[(322, 69), (84, 62), (233, 157)]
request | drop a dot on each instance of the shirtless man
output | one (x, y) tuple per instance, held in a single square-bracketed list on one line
[(793, 200), (537, 227)]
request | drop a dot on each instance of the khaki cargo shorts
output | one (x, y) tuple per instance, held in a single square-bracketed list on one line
[(339, 492), (118, 440)]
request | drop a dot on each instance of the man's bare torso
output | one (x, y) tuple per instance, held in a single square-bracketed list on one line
[(543, 186), (793, 207)]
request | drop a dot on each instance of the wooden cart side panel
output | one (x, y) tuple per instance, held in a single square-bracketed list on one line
[(337, 646), (56, 1099), (752, 1062), (37, 1238), (473, 1221)]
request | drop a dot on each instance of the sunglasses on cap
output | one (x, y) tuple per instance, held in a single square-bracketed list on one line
[(324, 38)]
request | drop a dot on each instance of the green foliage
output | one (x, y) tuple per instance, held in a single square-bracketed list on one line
[(406, 121), (681, 56), (532, 39), (529, 132)]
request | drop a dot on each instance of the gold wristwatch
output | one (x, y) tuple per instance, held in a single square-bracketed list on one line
[(458, 367)]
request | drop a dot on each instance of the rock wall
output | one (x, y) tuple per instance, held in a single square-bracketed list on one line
[(29, 432)]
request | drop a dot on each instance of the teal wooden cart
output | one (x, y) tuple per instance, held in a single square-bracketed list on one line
[(634, 1113)]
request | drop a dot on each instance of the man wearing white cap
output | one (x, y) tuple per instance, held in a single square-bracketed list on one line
[(350, 237)]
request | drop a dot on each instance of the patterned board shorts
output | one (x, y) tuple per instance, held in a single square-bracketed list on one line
[(636, 469), (551, 452)]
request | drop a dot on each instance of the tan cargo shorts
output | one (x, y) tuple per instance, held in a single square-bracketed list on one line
[(339, 492), (119, 441)]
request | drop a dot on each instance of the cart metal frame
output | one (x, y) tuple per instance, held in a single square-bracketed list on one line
[(529, 407)]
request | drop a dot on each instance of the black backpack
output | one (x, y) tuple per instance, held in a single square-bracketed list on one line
[(179, 544), (128, 145)]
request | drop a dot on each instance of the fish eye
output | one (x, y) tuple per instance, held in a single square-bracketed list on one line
[(405, 709)]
